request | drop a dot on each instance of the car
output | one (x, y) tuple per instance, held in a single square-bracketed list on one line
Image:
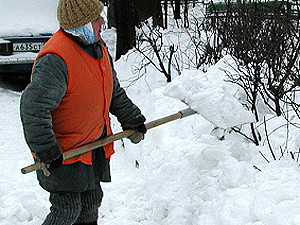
[(17, 53), (25, 28)]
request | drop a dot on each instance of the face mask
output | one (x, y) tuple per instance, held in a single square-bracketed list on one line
[(85, 32)]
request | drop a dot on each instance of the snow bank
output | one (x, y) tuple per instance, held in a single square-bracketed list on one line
[(180, 174), (187, 176)]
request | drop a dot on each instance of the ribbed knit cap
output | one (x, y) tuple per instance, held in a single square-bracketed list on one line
[(73, 14)]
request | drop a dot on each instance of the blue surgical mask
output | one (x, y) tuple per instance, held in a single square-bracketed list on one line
[(85, 32)]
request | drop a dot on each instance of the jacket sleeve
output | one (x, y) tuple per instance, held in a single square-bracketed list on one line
[(127, 113), (41, 96)]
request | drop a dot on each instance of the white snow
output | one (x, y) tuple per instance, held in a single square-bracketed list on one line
[(181, 174), (18, 57), (185, 174), (208, 94), (27, 17)]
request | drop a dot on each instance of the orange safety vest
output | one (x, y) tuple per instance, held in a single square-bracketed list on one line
[(84, 110)]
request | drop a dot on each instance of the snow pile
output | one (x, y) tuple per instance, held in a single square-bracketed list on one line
[(209, 97), (187, 176), (180, 174)]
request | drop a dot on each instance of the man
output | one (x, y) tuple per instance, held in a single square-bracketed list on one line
[(67, 104)]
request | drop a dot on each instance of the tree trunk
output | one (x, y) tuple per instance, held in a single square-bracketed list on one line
[(177, 10), (111, 14), (166, 14), (125, 26), (157, 15)]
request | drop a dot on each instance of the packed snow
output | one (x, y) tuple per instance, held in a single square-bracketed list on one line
[(182, 173), (211, 96)]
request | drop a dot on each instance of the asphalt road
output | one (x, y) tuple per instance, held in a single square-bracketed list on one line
[(14, 82)]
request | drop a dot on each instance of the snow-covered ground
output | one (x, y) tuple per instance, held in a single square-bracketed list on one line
[(186, 175), (181, 174)]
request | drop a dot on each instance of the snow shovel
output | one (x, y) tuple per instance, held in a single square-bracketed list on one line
[(96, 144)]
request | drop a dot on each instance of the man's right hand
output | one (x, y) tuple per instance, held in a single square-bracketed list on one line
[(138, 135)]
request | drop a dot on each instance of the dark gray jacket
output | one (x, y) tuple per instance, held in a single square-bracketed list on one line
[(43, 95)]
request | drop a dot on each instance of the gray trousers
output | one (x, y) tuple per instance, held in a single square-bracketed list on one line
[(74, 207)]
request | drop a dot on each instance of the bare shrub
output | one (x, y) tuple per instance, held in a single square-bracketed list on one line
[(263, 38)]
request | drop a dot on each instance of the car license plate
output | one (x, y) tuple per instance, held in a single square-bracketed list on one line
[(27, 47)]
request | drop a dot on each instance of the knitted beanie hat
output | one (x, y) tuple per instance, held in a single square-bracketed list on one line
[(73, 14)]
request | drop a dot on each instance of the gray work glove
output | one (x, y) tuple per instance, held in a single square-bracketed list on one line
[(138, 135)]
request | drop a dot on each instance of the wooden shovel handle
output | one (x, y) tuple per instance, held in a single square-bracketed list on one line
[(101, 142)]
